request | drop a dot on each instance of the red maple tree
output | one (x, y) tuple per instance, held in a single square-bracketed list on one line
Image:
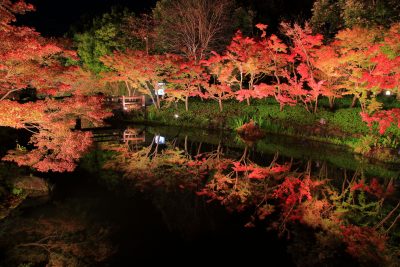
[(28, 60)]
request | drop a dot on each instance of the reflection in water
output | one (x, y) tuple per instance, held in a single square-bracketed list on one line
[(132, 138), (331, 216), (58, 236), (133, 135), (352, 214), (160, 140)]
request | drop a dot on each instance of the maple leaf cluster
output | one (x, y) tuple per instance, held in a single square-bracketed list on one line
[(29, 61), (352, 214), (358, 213), (359, 62)]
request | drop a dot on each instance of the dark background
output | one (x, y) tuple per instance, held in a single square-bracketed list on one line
[(56, 17)]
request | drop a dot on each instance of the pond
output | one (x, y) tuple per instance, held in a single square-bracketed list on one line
[(151, 194)]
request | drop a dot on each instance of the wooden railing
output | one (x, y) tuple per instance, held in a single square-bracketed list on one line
[(133, 102), (133, 135)]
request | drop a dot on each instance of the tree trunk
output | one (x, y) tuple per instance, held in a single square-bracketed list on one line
[(220, 104), (199, 148), (241, 79), (128, 87), (8, 93), (244, 156), (186, 145), (316, 105), (353, 103), (331, 102), (151, 96), (158, 101), (187, 103), (116, 91)]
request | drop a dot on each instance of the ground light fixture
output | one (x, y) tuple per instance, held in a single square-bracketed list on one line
[(176, 116), (388, 93)]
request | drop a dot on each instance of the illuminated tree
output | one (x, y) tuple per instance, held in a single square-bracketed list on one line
[(191, 27), (356, 48), (274, 64), (328, 70), (245, 55), (8, 9), (385, 74), (29, 61), (304, 49), (137, 70), (188, 80), (222, 78), (56, 146)]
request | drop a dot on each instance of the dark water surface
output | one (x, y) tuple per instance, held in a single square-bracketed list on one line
[(93, 222)]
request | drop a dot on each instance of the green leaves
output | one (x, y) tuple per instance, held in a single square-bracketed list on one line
[(330, 16), (104, 35)]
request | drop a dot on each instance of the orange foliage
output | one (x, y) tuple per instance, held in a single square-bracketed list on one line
[(28, 60)]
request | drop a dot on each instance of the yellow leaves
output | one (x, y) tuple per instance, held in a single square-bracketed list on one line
[(220, 183), (314, 211), (16, 115), (174, 157), (358, 38), (373, 105)]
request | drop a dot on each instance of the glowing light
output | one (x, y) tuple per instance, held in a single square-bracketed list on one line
[(176, 116), (160, 92), (125, 108), (160, 140), (387, 92), (160, 89)]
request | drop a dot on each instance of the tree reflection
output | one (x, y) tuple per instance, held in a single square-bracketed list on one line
[(66, 238), (351, 213), (133, 137)]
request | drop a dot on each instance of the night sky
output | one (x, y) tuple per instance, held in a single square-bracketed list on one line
[(56, 17)]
